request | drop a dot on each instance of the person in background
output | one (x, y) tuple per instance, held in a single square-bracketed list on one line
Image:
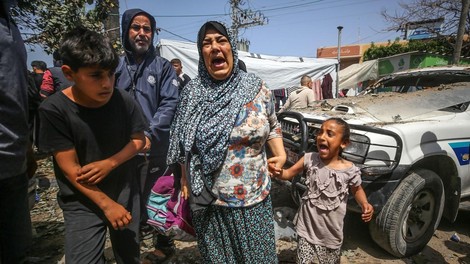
[(94, 131), (15, 221), (343, 93), (183, 78), (54, 79), (39, 68), (35, 78), (151, 80), (225, 119), (320, 219), (34, 98), (302, 97)]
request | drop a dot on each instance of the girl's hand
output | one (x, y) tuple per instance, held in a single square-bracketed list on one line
[(367, 212)]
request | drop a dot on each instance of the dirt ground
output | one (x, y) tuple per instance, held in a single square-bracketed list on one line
[(358, 247)]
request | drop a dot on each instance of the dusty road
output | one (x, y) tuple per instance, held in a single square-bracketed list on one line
[(358, 247)]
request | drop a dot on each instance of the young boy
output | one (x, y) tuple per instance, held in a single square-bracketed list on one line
[(93, 132)]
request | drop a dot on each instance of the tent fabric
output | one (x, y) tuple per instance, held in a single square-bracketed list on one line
[(277, 71), (359, 72)]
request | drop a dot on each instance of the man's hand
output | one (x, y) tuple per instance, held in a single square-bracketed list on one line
[(94, 172)]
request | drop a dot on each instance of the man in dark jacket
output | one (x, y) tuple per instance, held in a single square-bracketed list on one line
[(152, 81), (15, 222)]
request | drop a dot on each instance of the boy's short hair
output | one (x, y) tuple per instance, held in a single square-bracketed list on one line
[(177, 61), (82, 47), (39, 65)]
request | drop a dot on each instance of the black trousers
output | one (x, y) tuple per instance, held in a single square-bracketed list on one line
[(15, 221)]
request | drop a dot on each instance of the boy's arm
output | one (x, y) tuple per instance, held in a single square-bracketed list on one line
[(116, 214), (361, 199), (95, 172)]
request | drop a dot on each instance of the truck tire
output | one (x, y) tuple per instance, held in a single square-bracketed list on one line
[(411, 215)]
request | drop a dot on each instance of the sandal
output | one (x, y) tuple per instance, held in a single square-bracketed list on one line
[(160, 255)]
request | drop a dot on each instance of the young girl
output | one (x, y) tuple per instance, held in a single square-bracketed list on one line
[(319, 221)]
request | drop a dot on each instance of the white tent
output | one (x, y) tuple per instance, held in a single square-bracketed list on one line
[(277, 72), (359, 72)]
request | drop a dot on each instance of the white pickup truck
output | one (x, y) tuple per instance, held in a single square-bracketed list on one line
[(413, 151)]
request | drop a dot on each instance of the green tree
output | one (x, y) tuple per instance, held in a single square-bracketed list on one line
[(44, 22), (454, 14)]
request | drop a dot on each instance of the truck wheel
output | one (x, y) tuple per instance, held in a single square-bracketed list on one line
[(411, 215)]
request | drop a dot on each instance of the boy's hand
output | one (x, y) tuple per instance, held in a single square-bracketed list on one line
[(367, 212), (94, 172), (117, 215), (147, 146)]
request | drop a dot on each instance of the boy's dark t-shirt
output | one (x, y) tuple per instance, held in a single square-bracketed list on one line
[(96, 134)]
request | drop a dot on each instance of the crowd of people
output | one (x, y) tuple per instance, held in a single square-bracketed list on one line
[(114, 124)]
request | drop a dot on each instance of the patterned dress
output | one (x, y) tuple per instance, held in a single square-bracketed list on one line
[(239, 227), (320, 219)]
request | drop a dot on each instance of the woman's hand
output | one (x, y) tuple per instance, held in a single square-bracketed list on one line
[(274, 170), (184, 183), (277, 161)]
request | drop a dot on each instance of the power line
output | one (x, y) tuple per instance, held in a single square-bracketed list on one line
[(176, 16), (174, 34)]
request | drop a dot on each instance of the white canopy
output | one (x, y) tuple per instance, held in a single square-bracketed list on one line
[(277, 71), (359, 72)]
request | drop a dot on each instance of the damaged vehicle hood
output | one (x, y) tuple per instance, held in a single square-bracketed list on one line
[(390, 107)]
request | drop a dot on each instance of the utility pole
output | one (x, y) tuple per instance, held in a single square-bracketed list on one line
[(243, 18), (338, 66), (111, 23)]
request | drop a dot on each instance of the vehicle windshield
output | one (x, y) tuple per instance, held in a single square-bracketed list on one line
[(416, 80)]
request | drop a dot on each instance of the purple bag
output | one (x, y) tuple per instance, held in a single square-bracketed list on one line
[(168, 212)]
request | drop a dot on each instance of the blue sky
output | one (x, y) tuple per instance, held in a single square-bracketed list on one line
[(295, 27)]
